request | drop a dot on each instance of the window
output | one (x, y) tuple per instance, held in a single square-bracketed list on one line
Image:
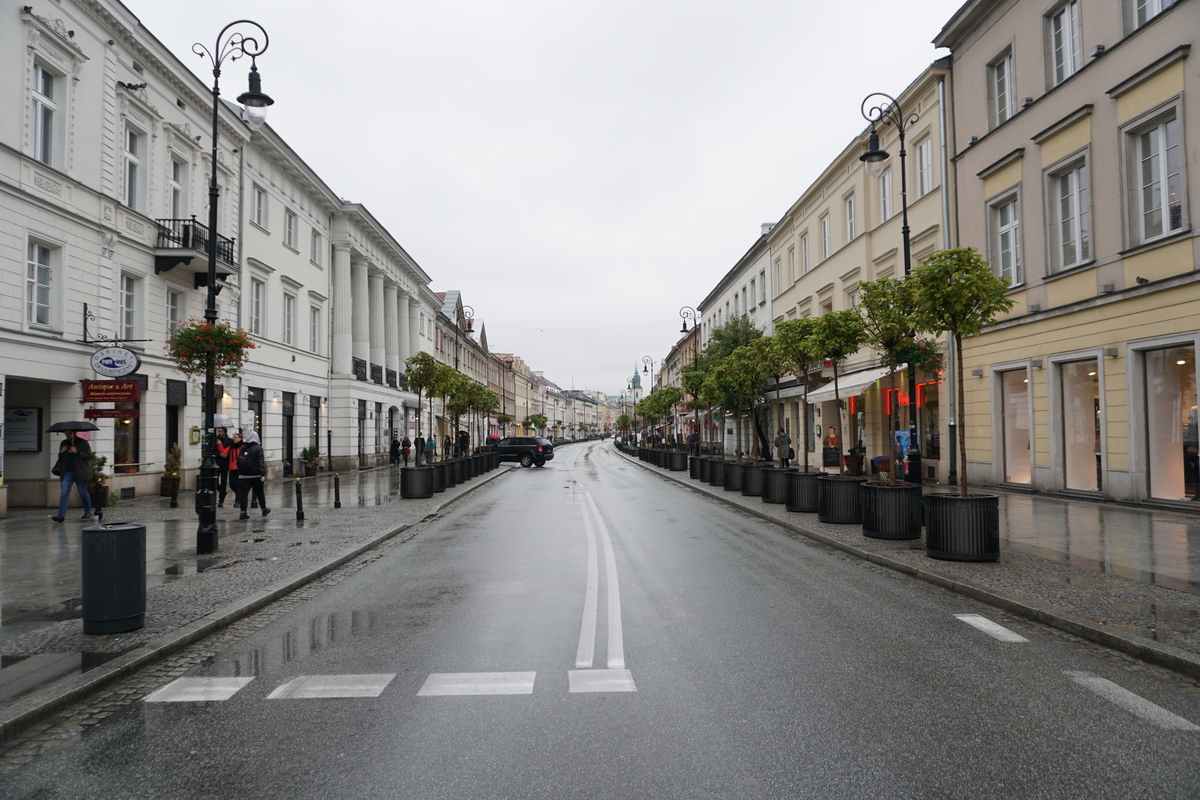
[(824, 237), (1145, 10), (135, 147), (289, 229), (314, 254), (735, 304), (762, 284), (852, 298), (1001, 89), (45, 106), (1006, 239), (258, 291), (851, 230), (804, 253), (258, 207), (178, 187), (314, 329), (1157, 166), (885, 194), (924, 167), (753, 294), (289, 319), (174, 309), (792, 263), (1070, 206), (39, 284), (127, 314), (779, 277), (1065, 43)]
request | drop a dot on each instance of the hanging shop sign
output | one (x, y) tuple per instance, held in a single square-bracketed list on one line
[(115, 362), (127, 391), (112, 413)]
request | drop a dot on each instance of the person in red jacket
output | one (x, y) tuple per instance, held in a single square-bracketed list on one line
[(223, 445)]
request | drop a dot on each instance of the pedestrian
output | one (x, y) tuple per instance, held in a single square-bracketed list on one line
[(784, 442), (430, 449), (394, 451), (692, 441), (73, 468), (447, 446), (405, 447), (419, 449), (223, 445), (252, 474), (464, 444), (231, 456)]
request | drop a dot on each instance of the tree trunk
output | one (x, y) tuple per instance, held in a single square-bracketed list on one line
[(837, 413), (892, 429), (962, 398)]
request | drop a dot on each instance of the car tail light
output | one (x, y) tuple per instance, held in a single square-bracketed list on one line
[(539, 448)]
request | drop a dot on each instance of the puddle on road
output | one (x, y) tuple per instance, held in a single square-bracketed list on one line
[(22, 675)]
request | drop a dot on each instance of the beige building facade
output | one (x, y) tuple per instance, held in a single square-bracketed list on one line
[(1073, 128)]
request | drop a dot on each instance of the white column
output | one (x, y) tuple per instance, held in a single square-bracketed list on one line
[(406, 348), (342, 338), (391, 340), (414, 311), (362, 310), (378, 319)]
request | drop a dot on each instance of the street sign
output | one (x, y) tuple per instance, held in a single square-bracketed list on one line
[(129, 391), (112, 413), (115, 362)]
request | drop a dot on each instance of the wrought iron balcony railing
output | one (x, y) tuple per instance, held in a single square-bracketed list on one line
[(180, 241)]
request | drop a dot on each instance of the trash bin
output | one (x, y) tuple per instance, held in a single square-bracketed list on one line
[(114, 578)]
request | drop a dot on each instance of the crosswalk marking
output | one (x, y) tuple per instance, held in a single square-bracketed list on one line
[(601, 680), (477, 683), (1134, 704), (307, 687), (197, 690), (991, 628)]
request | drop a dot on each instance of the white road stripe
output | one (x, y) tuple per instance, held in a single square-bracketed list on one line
[(991, 628), (585, 654), (477, 683), (616, 640), (600, 680), (308, 687), (197, 690), (1131, 702)]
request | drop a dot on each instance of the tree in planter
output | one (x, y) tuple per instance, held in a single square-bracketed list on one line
[(171, 466), (458, 402), (310, 456), (538, 421), (483, 402), (503, 420), (666, 398), (624, 422), (715, 394), (774, 362), (795, 339), (957, 292), (692, 378), (836, 335), (423, 371)]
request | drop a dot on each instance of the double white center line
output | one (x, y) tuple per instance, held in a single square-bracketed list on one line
[(615, 678)]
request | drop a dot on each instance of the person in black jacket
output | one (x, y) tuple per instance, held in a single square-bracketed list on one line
[(74, 468), (394, 450), (252, 474), (223, 445)]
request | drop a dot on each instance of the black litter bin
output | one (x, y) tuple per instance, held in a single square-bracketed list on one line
[(114, 578)]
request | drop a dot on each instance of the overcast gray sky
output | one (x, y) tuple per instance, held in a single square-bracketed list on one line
[(580, 171)]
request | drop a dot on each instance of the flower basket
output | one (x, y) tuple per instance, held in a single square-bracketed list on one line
[(190, 346)]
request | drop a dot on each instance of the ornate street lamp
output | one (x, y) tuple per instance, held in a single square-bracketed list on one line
[(882, 109), (232, 47)]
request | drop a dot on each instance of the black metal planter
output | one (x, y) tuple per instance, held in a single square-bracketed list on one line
[(774, 485), (962, 528), (716, 472), (416, 482), (679, 461), (734, 475), (801, 492), (693, 467), (702, 467), (891, 511), (450, 474), (837, 499), (752, 479), (439, 477)]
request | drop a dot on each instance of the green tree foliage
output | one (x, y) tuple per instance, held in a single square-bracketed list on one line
[(538, 421), (423, 372), (836, 335), (774, 361), (888, 308), (957, 292), (796, 340)]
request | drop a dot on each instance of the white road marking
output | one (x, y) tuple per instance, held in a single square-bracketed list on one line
[(601, 680), (585, 654), (1131, 702), (991, 628), (441, 684), (616, 640), (197, 690), (308, 687)]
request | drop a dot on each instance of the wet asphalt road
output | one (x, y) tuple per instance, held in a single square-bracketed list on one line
[(591, 630)]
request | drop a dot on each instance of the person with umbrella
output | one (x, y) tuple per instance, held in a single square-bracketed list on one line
[(74, 467)]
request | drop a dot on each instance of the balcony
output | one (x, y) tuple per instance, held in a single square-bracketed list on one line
[(185, 241)]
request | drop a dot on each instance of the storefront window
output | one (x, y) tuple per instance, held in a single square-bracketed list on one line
[(1081, 425), (1015, 428), (126, 439), (929, 414), (1171, 434)]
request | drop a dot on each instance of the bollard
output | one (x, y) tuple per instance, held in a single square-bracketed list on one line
[(337, 490), (175, 491), (299, 501)]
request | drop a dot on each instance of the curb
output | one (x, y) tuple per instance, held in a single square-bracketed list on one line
[(49, 701), (1160, 655)]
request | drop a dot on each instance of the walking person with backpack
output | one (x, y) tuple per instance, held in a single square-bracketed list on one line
[(252, 474)]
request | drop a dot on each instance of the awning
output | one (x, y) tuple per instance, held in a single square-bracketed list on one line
[(849, 385)]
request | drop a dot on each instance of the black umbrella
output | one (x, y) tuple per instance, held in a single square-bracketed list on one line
[(73, 425)]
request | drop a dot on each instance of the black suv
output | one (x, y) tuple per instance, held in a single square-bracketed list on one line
[(529, 450)]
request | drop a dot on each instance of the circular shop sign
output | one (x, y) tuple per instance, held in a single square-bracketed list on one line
[(115, 362)]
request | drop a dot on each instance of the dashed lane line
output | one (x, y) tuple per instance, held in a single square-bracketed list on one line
[(1134, 704), (991, 628)]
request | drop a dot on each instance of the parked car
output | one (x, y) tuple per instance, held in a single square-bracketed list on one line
[(528, 450)]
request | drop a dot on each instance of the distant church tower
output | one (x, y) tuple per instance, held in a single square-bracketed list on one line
[(636, 386)]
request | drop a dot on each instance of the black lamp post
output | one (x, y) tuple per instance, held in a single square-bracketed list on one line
[(879, 108), (232, 46), (687, 312)]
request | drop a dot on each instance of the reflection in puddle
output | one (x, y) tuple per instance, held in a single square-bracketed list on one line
[(297, 643), (21, 675)]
